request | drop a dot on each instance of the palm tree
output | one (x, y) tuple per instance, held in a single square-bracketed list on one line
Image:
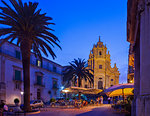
[(77, 71), (25, 24)]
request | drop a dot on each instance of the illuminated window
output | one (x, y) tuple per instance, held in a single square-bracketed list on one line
[(100, 66), (38, 63)]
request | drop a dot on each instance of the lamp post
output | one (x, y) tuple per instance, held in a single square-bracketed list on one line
[(21, 96)]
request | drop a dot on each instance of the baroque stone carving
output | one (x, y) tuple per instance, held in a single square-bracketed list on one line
[(141, 6)]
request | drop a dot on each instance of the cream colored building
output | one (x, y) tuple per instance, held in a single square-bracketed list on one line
[(99, 61)]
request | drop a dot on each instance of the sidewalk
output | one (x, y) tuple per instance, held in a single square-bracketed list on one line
[(103, 110)]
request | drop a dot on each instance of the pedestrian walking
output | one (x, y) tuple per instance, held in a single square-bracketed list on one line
[(108, 100), (101, 100)]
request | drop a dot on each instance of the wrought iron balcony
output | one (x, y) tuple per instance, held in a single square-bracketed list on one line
[(39, 84), (13, 54), (55, 87)]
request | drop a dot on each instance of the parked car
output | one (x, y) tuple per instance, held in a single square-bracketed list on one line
[(36, 103), (60, 101)]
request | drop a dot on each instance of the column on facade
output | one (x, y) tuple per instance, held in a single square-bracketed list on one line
[(143, 101), (145, 51)]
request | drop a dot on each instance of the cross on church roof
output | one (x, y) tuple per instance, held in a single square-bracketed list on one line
[(99, 39)]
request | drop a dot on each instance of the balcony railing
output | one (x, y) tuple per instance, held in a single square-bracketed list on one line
[(41, 85), (7, 52), (17, 80), (55, 87)]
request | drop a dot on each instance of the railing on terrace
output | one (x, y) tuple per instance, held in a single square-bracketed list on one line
[(7, 52)]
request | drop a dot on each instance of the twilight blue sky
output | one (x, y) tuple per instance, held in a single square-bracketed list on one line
[(80, 22)]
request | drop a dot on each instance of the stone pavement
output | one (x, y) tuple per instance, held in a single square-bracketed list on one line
[(103, 110)]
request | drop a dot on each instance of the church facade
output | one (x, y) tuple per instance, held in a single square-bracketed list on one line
[(99, 61)]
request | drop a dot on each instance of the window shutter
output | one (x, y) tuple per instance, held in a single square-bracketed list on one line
[(17, 75), (18, 54), (36, 62), (39, 80)]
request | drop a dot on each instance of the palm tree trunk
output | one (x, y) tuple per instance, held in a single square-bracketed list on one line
[(79, 96), (79, 85), (25, 49)]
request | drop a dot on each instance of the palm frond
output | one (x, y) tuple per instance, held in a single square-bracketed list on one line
[(27, 23), (77, 69)]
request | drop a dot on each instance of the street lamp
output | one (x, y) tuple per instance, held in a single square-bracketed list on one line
[(62, 87), (22, 92), (21, 96)]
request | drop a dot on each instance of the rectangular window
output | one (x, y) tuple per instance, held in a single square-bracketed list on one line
[(38, 63), (17, 86), (18, 55), (55, 84), (39, 80), (54, 68), (17, 75), (100, 66)]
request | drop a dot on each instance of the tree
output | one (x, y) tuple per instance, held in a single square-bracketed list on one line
[(29, 27), (77, 71)]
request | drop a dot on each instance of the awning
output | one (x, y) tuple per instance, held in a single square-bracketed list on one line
[(81, 90), (121, 89)]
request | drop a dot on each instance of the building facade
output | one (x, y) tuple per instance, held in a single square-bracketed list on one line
[(45, 76), (99, 61), (130, 77), (138, 34)]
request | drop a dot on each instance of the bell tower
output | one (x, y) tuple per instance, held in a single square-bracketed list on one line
[(99, 62)]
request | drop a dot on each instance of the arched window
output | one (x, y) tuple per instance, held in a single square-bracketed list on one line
[(100, 66), (100, 84), (100, 53)]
